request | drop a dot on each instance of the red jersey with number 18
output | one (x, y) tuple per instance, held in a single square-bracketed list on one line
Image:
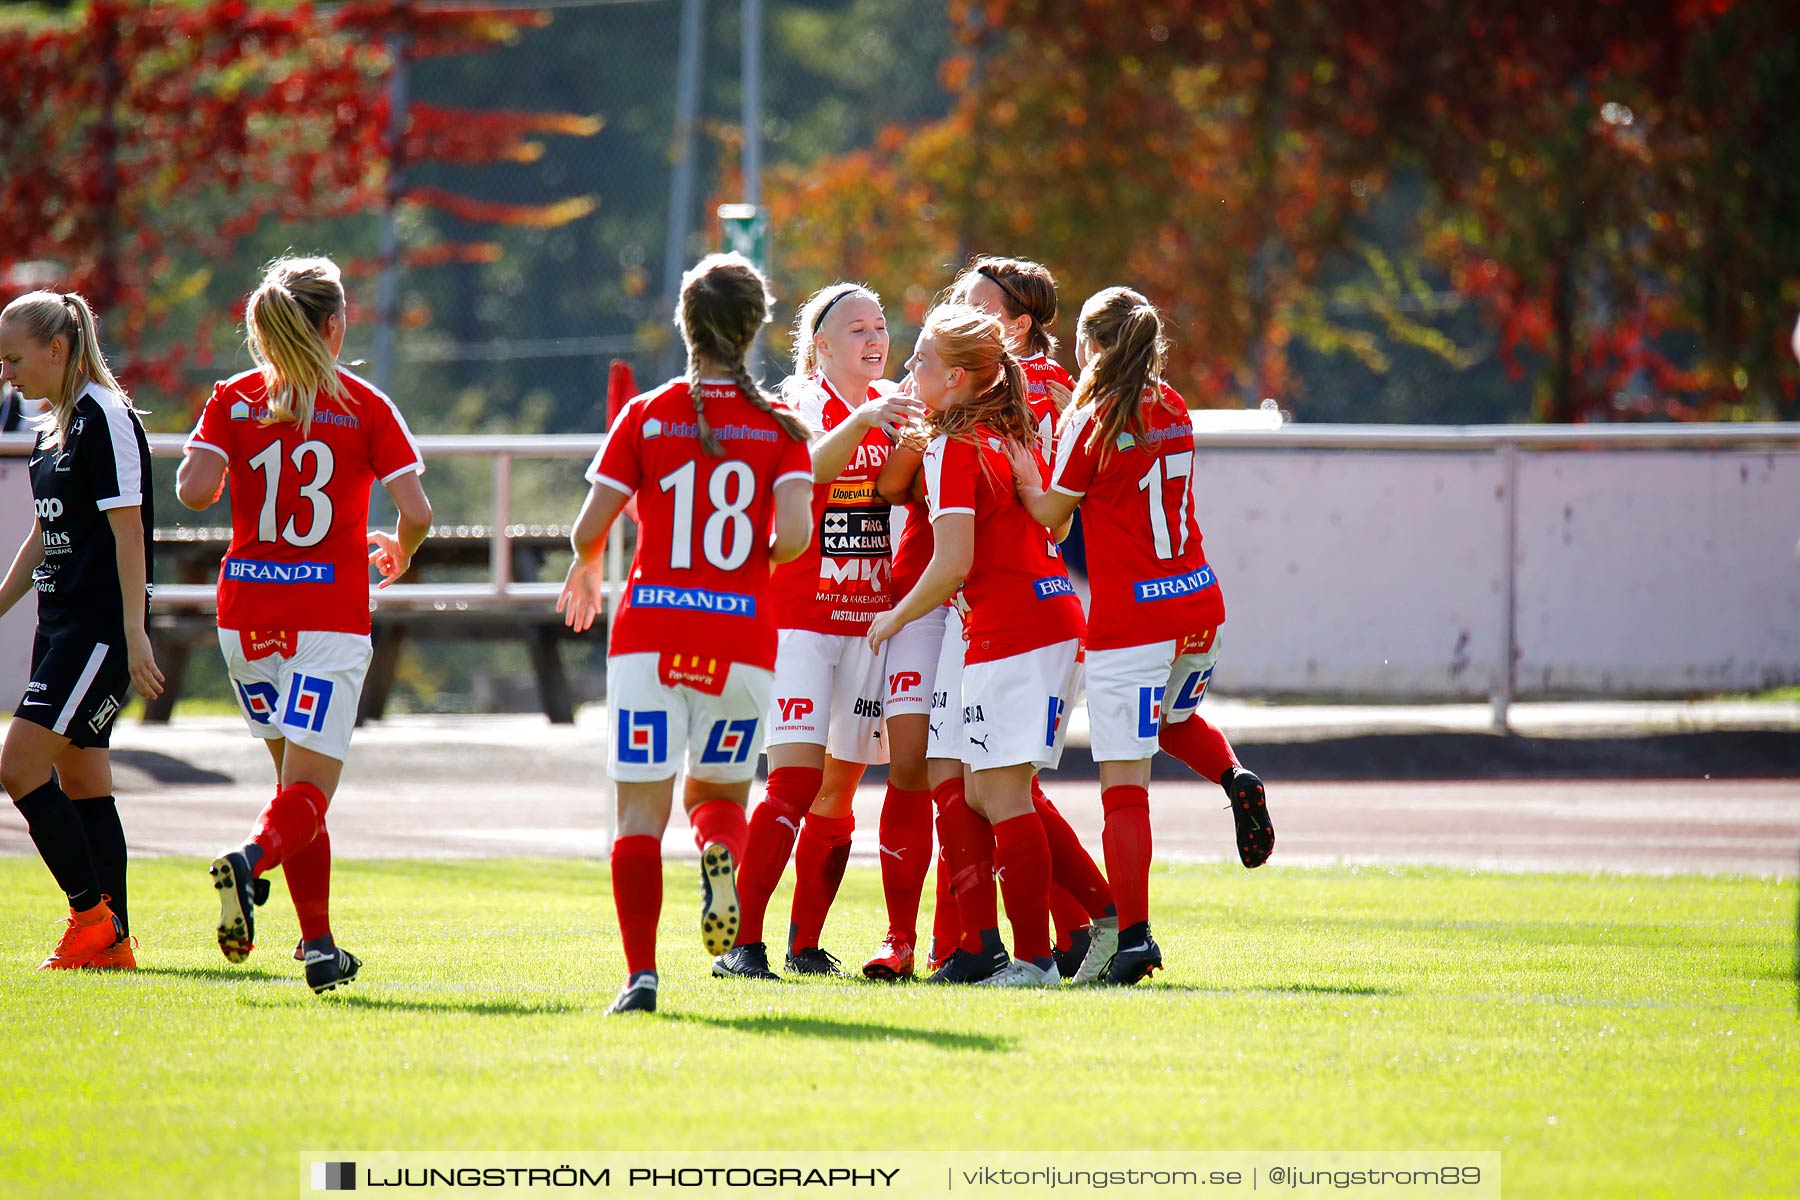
[(299, 554), (699, 582), (1018, 591), (1146, 566)]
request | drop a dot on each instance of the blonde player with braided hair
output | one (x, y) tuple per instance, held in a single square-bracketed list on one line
[(300, 441), (825, 722), (1125, 453), (88, 557), (715, 467), (1020, 651)]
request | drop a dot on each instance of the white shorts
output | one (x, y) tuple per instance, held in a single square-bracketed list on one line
[(1134, 691), (946, 691), (309, 696), (1016, 710), (912, 662), (828, 692), (658, 726)]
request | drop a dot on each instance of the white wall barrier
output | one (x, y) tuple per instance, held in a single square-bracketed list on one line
[(1390, 561)]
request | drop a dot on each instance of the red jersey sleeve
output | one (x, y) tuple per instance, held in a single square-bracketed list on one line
[(795, 462), (392, 450), (952, 466), (214, 429), (620, 463), (1076, 461)]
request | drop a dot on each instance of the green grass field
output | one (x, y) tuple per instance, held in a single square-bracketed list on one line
[(1611, 1036)]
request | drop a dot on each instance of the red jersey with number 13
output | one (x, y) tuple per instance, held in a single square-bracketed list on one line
[(299, 555), (699, 582)]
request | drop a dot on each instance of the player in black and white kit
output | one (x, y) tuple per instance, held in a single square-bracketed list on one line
[(88, 557)]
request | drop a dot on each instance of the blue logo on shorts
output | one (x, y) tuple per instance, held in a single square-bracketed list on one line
[(1052, 585), (308, 701), (259, 700), (1053, 720), (1149, 711), (1175, 585), (1193, 690), (729, 742), (643, 737)]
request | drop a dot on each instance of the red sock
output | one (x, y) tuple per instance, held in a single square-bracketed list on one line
[(820, 857), (721, 821), (308, 872), (1127, 842), (292, 819), (1202, 747), (1073, 870), (773, 827), (637, 886), (946, 921), (905, 857), (1022, 859), (969, 846)]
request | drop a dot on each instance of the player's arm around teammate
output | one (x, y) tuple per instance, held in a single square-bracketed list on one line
[(1125, 453), (713, 465), (1024, 630), (825, 720), (88, 557), (299, 442)]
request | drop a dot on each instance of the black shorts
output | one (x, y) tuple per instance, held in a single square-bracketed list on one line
[(77, 686)]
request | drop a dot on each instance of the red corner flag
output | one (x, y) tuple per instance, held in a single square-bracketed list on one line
[(621, 386)]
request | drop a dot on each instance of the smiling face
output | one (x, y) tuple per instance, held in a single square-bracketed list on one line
[(935, 385), (35, 368), (852, 344)]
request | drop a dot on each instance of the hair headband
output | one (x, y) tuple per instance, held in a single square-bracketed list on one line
[(1017, 299), (831, 303)]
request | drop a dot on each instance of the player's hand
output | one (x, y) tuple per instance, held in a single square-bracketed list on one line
[(890, 412), (882, 628), (583, 595), (146, 678), (389, 556), (1027, 474), (1059, 395)]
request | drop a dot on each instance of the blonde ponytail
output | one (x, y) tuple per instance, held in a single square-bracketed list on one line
[(46, 316), (284, 322)]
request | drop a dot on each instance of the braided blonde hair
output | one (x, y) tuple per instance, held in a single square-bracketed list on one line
[(725, 301)]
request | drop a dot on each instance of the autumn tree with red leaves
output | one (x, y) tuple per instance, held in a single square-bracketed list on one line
[(143, 141)]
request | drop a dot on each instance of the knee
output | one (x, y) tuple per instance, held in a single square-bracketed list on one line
[(20, 775)]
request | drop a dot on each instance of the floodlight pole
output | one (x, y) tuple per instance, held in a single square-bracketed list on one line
[(681, 181), (387, 288), (752, 68)]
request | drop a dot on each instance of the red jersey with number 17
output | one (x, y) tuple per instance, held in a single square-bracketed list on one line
[(1148, 573), (1018, 591), (299, 554), (699, 582)]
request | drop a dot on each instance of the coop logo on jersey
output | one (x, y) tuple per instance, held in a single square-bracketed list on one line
[(1052, 585), (1175, 585), (259, 700), (1149, 711), (49, 508), (729, 742), (309, 699), (731, 604), (643, 737), (252, 570)]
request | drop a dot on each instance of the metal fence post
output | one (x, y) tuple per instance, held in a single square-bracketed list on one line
[(1504, 668), (500, 564)]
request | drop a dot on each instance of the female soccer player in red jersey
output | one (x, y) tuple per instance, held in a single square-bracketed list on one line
[(300, 441), (1022, 295), (825, 722), (713, 465), (1125, 453), (1023, 631), (88, 559)]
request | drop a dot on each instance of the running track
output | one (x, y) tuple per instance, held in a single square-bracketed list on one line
[(1660, 789)]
